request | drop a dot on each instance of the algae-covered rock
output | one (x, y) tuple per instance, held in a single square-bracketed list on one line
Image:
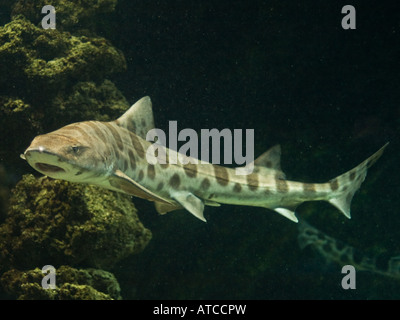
[(51, 78), (4, 193), (43, 61), (69, 14), (71, 284), (84, 101), (16, 114), (101, 102), (54, 222)]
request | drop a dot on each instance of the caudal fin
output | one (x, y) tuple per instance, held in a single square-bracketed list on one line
[(345, 186)]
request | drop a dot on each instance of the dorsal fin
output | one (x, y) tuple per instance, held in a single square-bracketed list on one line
[(269, 163), (139, 118), (270, 159)]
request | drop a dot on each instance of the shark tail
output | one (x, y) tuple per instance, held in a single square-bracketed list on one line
[(346, 185)]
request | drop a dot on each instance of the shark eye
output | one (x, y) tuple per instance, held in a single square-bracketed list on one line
[(75, 149)]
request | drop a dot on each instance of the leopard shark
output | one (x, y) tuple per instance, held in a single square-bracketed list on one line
[(336, 251), (113, 155)]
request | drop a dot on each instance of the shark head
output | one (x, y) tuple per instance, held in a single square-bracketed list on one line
[(63, 154), (90, 151)]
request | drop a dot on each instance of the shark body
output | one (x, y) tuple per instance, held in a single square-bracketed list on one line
[(113, 155), (333, 250)]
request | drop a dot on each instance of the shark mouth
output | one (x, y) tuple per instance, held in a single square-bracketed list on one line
[(48, 167)]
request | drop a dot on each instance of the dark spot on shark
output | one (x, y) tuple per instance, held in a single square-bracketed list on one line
[(137, 145), (126, 164), (221, 175), (115, 134), (132, 160), (96, 129), (309, 187), (205, 184), (141, 175), (281, 185), (160, 186), (352, 175), (78, 129), (190, 170), (132, 126), (175, 181), (237, 188), (334, 184), (252, 181), (163, 159), (151, 172)]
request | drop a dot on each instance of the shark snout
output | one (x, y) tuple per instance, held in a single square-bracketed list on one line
[(31, 151), (42, 160)]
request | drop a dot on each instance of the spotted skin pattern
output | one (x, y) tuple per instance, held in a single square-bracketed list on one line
[(114, 155)]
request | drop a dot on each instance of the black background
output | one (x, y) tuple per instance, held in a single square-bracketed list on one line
[(288, 70)]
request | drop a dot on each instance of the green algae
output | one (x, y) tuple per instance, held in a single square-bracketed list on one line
[(71, 284), (75, 15), (49, 60), (99, 101), (53, 78), (4, 194), (56, 222)]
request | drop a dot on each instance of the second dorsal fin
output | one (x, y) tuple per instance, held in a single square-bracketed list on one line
[(270, 159), (269, 163)]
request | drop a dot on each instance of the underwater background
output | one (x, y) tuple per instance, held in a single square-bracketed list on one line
[(289, 71)]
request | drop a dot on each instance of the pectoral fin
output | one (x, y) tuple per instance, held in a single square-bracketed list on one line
[(190, 202), (122, 182)]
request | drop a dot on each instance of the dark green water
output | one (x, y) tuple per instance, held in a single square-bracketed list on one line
[(329, 96), (289, 71)]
